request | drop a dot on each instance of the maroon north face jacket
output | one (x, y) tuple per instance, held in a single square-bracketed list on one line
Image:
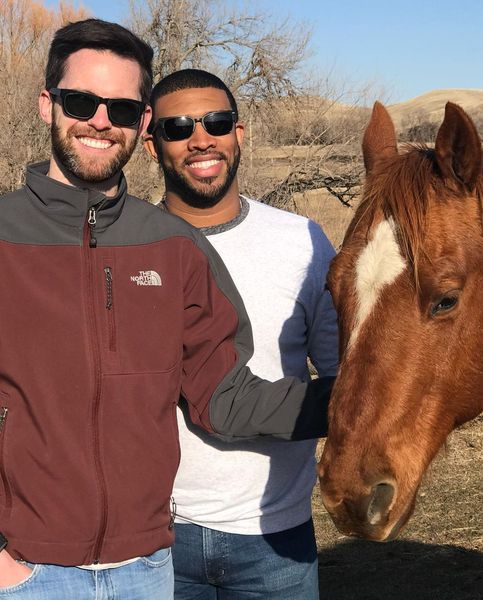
[(109, 310)]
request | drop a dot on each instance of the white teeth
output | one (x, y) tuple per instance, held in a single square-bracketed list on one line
[(92, 143), (204, 164)]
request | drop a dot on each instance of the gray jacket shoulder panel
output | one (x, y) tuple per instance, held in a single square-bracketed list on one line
[(22, 223), (143, 223)]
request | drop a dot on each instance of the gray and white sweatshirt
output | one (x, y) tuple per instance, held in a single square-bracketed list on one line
[(278, 262)]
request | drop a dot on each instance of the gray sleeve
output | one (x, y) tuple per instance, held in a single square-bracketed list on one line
[(244, 406), (323, 337)]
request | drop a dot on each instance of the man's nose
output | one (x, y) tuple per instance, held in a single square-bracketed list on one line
[(100, 119), (200, 138)]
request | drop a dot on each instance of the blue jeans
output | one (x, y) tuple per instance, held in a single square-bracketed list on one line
[(213, 565), (150, 578)]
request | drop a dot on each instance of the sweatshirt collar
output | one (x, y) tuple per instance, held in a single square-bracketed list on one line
[(221, 227)]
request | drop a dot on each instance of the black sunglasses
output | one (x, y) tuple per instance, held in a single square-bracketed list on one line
[(82, 105), (175, 129)]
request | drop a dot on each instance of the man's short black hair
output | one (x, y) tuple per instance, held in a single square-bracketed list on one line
[(96, 34), (187, 79)]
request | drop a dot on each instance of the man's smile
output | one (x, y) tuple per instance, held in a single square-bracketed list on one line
[(205, 166), (95, 143)]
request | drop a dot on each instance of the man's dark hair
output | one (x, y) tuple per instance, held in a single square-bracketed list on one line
[(188, 79), (96, 34)]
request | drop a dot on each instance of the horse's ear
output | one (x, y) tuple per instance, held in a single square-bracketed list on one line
[(379, 138), (458, 147)]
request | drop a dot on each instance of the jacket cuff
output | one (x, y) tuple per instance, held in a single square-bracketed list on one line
[(312, 421)]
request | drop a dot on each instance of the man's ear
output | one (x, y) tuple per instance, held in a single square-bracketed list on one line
[(239, 132), (45, 107), (145, 120), (149, 146)]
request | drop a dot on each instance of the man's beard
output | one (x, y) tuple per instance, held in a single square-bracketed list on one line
[(206, 195), (94, 170)]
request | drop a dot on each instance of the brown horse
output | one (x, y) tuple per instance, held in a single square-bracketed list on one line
[(408, 288)]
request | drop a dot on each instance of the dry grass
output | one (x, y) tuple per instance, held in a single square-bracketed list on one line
[(432, 104)]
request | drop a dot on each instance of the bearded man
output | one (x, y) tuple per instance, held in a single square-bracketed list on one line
[(243, 528)]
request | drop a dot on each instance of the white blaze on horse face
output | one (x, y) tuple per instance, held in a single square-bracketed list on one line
[(378, 265)]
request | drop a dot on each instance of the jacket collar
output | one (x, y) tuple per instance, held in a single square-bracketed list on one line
[(70, 205)]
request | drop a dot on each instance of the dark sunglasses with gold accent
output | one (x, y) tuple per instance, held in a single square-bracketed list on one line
[(83, 105), (175, 129)]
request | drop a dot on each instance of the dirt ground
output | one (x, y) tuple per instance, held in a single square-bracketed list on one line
[(439, 556)]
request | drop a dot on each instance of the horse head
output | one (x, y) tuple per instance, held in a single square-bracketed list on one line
[(407, 287)]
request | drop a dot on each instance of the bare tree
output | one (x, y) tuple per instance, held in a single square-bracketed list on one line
[(259, 57), (298, 138), (255, 55), (26, 28)]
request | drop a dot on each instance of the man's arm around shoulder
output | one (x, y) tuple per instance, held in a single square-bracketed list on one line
[(223, 395)]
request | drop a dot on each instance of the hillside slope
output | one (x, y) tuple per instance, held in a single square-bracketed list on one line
[(431, 104)]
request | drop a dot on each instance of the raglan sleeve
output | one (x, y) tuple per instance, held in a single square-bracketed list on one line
[(223, 395), (321, 317)]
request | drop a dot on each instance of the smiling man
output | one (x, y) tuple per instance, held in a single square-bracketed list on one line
[(243, 527), (93, 139), (199, 162), (110, 309)]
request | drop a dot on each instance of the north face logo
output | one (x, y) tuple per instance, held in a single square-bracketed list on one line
[(147, 278)]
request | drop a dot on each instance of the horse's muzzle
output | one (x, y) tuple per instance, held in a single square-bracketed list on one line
[(369, 516)]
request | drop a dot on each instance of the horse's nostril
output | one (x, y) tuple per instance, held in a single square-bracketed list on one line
[(382, 496)]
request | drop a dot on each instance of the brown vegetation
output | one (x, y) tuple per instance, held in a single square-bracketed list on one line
[(302, 152), (26, 28), (262, 64)]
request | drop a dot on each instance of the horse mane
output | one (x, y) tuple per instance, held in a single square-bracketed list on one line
[(399, 189)]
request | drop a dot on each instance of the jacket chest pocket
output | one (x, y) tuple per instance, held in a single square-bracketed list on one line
[(142, 320)]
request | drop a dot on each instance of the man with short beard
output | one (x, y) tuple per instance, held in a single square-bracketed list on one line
[(109, 310), (243, 527)]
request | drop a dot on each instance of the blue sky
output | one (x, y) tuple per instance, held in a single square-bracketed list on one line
[(403, 47)]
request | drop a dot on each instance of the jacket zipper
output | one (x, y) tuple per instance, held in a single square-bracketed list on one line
[(110, 308), (91, 221), (3, 473), (89, 243)]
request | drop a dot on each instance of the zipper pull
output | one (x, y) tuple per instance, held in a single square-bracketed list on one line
[(172, 510), (91, 221), (108, 273), (3, 416)]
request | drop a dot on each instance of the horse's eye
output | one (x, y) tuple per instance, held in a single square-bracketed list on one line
[(444, 305)]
